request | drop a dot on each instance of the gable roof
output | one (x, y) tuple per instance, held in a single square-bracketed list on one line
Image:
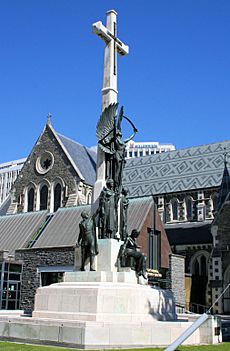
[(174, 171), (82, 158)]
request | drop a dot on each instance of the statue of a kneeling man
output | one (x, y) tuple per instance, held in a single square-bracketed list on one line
[(87, 239), (130, 249)]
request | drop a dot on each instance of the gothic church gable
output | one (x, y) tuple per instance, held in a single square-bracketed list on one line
[(49, 177)]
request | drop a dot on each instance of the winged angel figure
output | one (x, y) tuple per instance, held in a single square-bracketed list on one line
[(109, 137)]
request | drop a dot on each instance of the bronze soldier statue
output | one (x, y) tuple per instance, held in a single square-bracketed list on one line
[(107, 211), (87, 239), (124, 214), (130, 249)]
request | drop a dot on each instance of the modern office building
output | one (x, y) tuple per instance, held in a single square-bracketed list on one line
[(139, 149), (8, 174)]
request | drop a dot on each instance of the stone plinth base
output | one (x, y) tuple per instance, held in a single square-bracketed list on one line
[(98, 335), (128, 276), (104, 302), (103, 310)]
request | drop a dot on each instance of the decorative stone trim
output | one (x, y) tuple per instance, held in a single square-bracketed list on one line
[(44, 162)]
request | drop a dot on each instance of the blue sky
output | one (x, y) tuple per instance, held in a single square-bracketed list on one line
[(174, 84)]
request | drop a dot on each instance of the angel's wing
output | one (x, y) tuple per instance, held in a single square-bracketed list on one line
[(120, 118), (105, 125), (107, 150)]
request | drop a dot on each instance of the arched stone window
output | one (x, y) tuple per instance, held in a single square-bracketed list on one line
[(198, 268), (44, 198), (57, 196), (198, 263), (30, 200), (174, 209), (89, 197), (189, 208)]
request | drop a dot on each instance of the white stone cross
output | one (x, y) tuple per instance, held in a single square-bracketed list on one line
[(113, 45)]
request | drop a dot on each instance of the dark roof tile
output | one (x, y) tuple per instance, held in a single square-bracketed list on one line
[(84, 158)]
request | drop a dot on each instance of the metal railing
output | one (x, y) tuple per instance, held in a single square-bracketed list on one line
[(198, 308)]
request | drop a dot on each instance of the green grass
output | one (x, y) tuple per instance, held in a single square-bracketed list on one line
[(220, 347), (10, 346)]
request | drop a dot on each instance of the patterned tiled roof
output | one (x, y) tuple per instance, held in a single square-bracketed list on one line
[(175, 171)]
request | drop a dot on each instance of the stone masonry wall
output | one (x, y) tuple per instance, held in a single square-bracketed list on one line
[(61, 167), (205, 199), (32, 259), (177, 278)]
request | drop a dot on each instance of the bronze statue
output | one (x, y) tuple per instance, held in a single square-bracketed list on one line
[(124, 214), (109, 136), (107, 211), (130, 249), (87, 239)]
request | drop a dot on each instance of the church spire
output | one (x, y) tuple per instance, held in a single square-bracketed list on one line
[(225, 185)]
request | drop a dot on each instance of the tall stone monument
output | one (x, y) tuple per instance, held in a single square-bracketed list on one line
[(108, 280), (113, 45), (107, 192)]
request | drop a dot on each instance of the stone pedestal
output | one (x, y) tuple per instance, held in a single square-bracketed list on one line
[(107, 296), (106, 260), (104, 302), (103, 309)]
